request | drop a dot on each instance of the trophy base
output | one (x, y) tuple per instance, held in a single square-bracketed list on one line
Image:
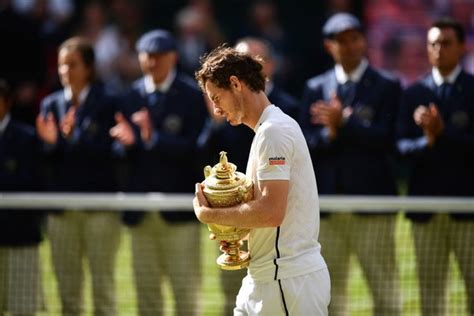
[(227, 262)]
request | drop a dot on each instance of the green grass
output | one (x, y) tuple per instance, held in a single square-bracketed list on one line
[(359, 295)]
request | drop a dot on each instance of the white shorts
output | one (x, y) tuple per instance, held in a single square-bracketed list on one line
[(308, 294)]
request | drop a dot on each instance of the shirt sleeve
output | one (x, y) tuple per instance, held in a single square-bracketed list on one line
[(275, 154)]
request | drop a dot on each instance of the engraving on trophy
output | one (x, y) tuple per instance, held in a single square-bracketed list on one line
[(224, 186)]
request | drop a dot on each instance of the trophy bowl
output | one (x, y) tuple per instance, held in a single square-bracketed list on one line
[(224, 186)]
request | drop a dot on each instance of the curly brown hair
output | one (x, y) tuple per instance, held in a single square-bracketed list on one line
[(223, 62)]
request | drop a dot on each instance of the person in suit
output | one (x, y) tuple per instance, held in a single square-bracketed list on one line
[(435, 133), (163, 115), (348, 118), (73, 126), (260, 47), (21, 231)]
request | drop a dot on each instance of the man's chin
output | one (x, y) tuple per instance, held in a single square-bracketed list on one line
[(233, 123)]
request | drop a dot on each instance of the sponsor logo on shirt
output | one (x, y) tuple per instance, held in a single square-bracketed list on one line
[(276, 161)]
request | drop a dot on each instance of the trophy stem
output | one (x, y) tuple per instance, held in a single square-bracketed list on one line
[(234, 258)]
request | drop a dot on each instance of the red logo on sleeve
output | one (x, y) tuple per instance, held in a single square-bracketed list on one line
[(276, 161)]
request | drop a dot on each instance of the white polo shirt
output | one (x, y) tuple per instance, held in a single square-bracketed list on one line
[(279, 152)]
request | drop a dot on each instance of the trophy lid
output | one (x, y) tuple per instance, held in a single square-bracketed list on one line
[(223, 176)]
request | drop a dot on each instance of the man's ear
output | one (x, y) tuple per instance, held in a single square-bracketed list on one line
[(328, 45), (235, 83)]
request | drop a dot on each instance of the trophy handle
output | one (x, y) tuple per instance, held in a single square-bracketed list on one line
[(207, 171), (242, 193)]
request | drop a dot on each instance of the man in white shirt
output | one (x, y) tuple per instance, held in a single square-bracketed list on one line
[(287, 274)]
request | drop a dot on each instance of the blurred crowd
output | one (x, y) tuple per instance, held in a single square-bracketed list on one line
[(99, 96)]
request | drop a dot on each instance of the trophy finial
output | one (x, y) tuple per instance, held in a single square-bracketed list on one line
[(223, 159)]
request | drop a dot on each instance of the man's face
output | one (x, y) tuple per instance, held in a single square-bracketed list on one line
[(72, 70), (157, 65), (444, 49), (347, 48), (227, 103)]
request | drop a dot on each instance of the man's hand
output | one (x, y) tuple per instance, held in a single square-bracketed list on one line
[(430, 121), (200, 203), (329, 114), (68, 122), (142, 119), (122, 131), (47, 128)]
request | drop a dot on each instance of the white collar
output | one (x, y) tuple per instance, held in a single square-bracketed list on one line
[(451, 78), (151, 87), (4, 123), (355, 76), (82, 95), (264, 116)]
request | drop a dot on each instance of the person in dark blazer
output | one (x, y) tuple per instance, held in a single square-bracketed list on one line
[(168, 110), (73, 126), (265, 51), (348, 118), (435, 132), (21, 231)]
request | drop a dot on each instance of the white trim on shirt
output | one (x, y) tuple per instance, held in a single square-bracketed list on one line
[(451, 78), (4, 123), (342, 77)]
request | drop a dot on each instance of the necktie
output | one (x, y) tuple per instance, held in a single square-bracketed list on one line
[(155, 98), (444, 91), (346, 92)]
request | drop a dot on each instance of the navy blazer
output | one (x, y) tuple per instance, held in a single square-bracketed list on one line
[(285, 102), (447, 168), (19, 172), (84, 162), (359, 160), (170, 164)]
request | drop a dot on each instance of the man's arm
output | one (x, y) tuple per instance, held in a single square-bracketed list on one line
[(266, 210)]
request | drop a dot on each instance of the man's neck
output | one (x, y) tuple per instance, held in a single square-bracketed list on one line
[(255, 105)]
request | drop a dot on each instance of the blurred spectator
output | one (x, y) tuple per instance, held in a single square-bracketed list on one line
[(127, 16), (264, 50), (168, 110), (74, 126), (348, 118), (96, 27), (404, 55), (463, 10), (21, 291), (263, 22), (197, 33), (18, 65), (116, 65), (436, 134)]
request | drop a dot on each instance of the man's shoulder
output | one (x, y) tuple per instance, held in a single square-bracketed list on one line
[(277, 123), (319, 80), (187, 83), (383, 76), (421, 85), (23, 129), (53, 98)]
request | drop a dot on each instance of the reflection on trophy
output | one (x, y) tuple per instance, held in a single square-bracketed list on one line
[(225, 187)]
